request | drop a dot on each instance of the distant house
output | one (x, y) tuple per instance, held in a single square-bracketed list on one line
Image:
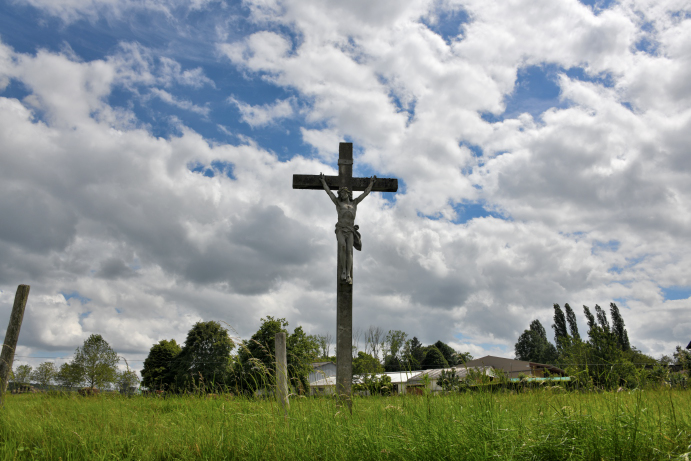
[(416, 384), (514, 368), (321, 370), (399, 382)]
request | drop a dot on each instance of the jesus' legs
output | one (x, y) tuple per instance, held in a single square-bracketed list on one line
[(342, 252), (349, 258)]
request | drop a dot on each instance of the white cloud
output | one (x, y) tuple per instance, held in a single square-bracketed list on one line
[(116, 215), (264, 114), (163, 95)]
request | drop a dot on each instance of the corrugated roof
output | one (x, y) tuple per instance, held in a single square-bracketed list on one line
[(511, 365), (321, 364), (461, 372)]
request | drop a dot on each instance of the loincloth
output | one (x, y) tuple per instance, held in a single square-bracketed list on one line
[(347, 230)]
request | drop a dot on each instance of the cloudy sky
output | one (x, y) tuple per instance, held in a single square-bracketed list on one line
[(147, 149)]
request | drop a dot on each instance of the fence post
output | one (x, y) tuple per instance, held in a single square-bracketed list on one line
[(11, 338)]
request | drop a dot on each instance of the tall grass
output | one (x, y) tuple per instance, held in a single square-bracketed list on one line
[(538, 424)]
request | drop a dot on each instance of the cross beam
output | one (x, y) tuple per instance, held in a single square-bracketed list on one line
[(345, 176), (344, 291)]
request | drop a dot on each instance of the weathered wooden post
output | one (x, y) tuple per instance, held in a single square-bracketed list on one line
[(11, 338), (282, 372)]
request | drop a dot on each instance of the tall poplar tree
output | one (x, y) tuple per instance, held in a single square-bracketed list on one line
[(602, 318), (590, 319), (618, 328), (561, 334), (573, 324)]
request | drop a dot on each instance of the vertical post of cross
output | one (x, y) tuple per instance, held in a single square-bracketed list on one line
[(282, 372), (344, 290)]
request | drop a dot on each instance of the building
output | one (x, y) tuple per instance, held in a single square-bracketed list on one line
[(416, 384), (516, 368), (321, 370)]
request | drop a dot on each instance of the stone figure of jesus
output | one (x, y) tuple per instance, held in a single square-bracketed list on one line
[(346, 231)]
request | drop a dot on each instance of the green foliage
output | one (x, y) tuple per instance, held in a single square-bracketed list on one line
[(158, 373), (618, 328), (126, 380), (301, 351), (602, 319), (70, 375), (256, 358), (683, 358), (22, 374), (540, 424), (204, 363), (434, 359), (44, 373), (573, 324), (561, 334), (98, 361), (463, 357), (392, 363), (324, 342), (449, 380), (448, 353), (533, 345), (374, 384), (366, 364), (395, 340)]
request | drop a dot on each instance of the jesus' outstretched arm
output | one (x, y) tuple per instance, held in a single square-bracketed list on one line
[(328, 191), (367, 191)]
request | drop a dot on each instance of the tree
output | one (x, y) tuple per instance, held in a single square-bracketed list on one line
[(374, 336), (44, 373), (533, 345), (22, 374), (126, 380), (364, 364), (590, 318), (301, 351), (464, 357), (434, 359), (416, 350), (98, 360), (324, 342), (158, 372), (395, 339), (257, 357), (561, 335), (70, 375), (602, 318), (204, 361), (573, 324), (618, 328), (683, 358), (448, 353)]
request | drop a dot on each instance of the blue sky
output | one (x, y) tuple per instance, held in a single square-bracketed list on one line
[(148, 149)]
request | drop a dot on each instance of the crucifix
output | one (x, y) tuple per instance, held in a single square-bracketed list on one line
[(348, 238)]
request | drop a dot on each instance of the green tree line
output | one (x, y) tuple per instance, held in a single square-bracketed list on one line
[(605, 358)]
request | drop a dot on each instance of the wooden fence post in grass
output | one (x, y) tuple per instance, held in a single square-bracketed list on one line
[(11, 337), (282, 372)]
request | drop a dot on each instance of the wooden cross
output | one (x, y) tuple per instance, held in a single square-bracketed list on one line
[(344, 293)]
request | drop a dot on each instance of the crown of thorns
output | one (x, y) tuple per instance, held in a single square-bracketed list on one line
[(350, 194)]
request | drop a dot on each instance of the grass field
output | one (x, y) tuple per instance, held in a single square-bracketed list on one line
[(539, 424)]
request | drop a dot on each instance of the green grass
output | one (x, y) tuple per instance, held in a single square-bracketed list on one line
[(539, 424)]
